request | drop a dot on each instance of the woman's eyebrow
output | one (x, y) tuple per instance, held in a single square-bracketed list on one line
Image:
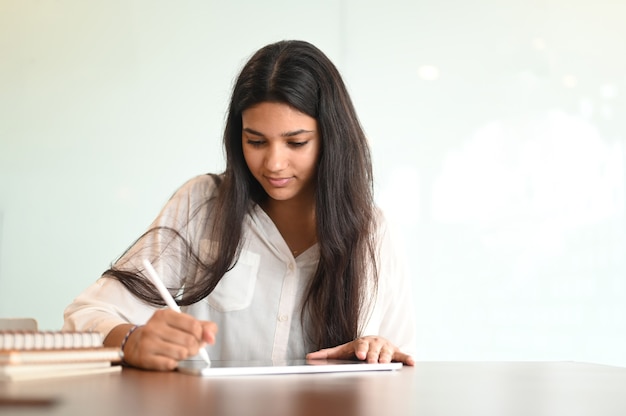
[(253, 132), (296, 132), (285, 134)]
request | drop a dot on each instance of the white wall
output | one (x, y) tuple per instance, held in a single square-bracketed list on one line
[(497, 129)]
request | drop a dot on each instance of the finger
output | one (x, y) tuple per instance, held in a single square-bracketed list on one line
[(209, 331), (188, 331), (336, 353), (162, 358), (406, 359), (168, 351), (317, 355), (171, 335), (152, 362), (385, 355), (322, 354), (182, 322), (158, 363), (362, 349), (375, 349), (372, 355)]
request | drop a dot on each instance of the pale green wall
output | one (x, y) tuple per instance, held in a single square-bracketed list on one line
[(497, 129)]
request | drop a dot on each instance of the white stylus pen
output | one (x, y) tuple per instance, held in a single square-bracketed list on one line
[(169, 300)]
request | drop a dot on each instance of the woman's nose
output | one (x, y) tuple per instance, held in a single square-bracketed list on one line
[(275, 159)]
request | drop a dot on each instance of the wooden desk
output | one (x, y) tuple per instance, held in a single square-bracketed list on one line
[(430, 388)]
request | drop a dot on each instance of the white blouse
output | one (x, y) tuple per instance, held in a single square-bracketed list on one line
[(257, 304)]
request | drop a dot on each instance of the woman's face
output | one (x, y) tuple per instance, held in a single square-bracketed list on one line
[(281, 147)]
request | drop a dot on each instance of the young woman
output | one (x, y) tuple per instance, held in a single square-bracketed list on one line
[(285, 251)]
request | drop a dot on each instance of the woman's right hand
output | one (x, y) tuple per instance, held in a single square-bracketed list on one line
[(165, 339)]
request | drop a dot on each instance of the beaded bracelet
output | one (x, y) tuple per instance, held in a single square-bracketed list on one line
[(130, 331)]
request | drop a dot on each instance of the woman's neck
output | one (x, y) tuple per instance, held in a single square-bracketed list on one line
[(295, 220)]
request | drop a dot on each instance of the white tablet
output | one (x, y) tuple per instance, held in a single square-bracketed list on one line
[(248, 368)]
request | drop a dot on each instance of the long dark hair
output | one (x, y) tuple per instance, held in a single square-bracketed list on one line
[(298, 74)]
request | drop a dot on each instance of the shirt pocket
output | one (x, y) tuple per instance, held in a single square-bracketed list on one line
[(235, 290)]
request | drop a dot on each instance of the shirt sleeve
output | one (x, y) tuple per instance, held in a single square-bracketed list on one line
[(107, 303), (392, 315)]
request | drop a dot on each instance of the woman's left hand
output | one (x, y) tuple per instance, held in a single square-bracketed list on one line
[(372, 349)]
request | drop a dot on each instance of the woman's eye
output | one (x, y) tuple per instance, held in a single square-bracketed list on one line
[(297, 144), (255, 143)]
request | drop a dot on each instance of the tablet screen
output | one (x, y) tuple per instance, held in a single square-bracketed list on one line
[(243, 368)]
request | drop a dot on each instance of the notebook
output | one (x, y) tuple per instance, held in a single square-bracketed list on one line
[(55, 370), (22, 357), (48, 340), (28, 354), (248, 368)]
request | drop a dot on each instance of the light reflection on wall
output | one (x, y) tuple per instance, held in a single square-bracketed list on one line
[(535, 191), (555, 168)]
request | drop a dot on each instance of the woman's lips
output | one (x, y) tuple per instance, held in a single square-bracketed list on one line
[(278, 182)]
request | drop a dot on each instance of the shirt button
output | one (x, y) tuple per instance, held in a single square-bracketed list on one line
[(290, 267), (283, 318)]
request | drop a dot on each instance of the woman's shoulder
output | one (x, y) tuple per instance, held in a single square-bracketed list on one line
[(380, 219), (200, 186), (386, 229)]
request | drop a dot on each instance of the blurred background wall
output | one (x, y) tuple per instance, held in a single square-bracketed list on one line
[(497, 127)]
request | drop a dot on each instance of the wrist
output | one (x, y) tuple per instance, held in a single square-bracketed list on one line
[(125, 341)]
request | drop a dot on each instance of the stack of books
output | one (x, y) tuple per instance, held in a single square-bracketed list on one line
[(27, 355)]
